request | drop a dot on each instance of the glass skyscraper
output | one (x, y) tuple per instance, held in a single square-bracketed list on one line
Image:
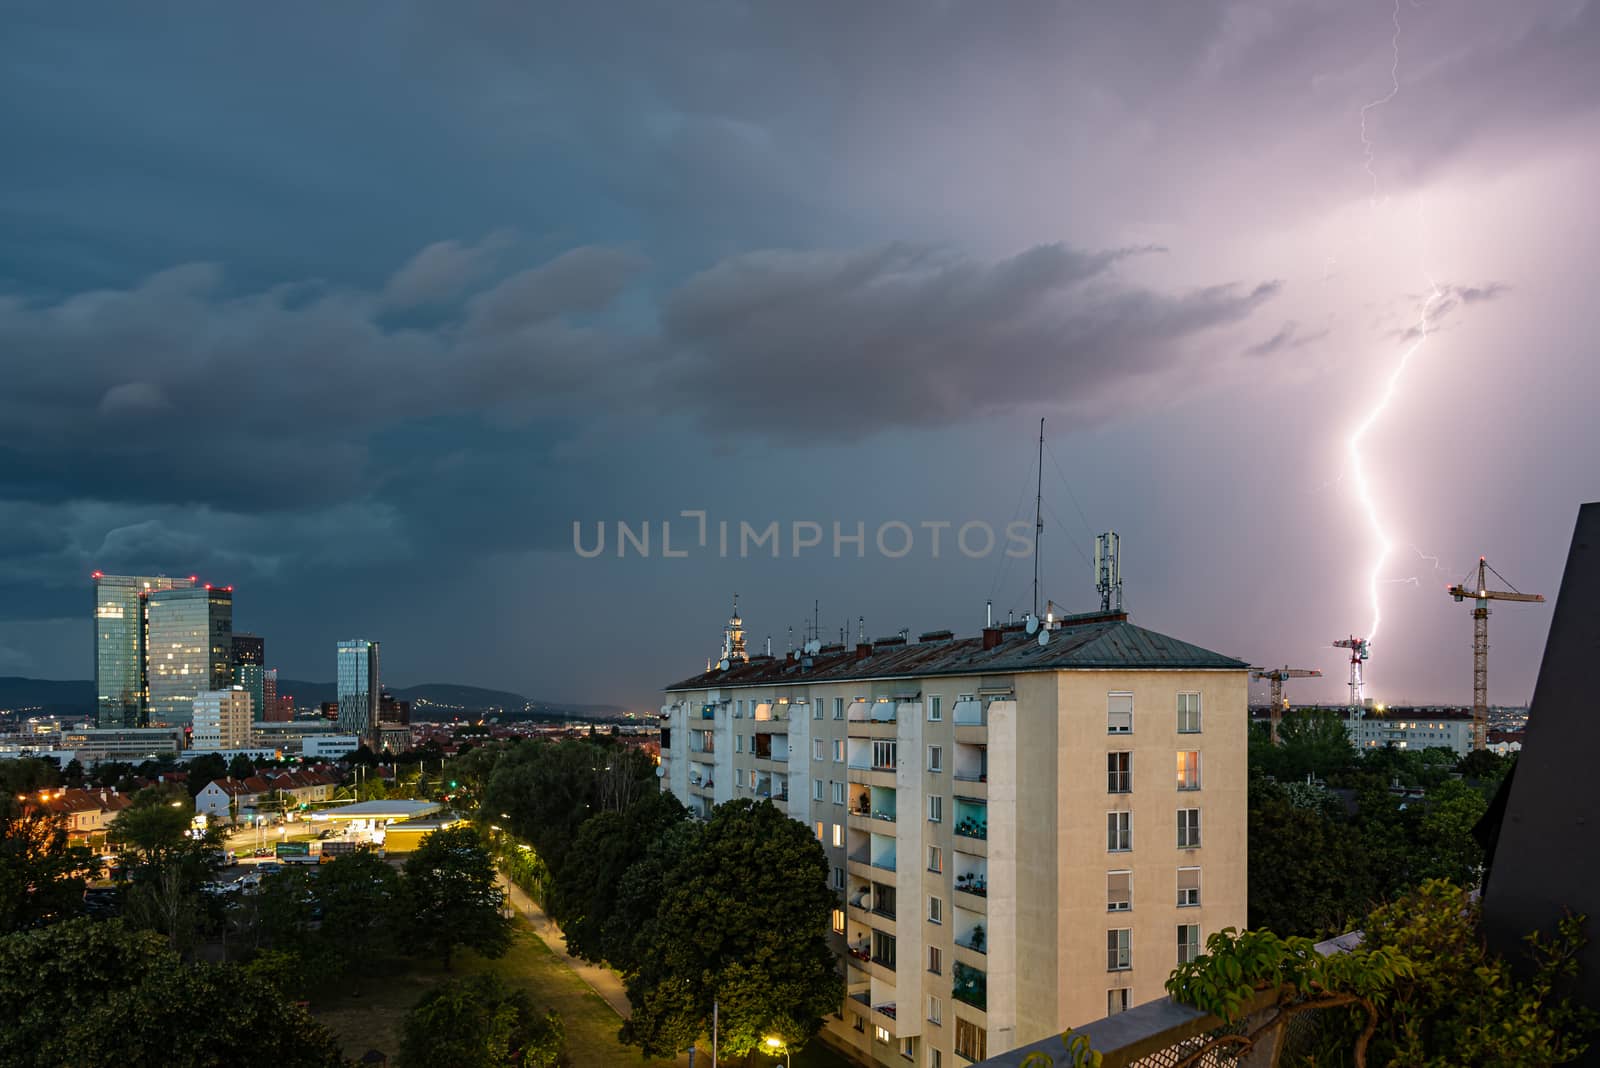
[(188, 649), (249, 670), (120, 634), (359, 689)]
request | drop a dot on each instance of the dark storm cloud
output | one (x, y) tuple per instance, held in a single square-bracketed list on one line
[(1288, 336), (895, 336)]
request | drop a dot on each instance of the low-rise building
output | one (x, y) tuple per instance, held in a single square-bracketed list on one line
[(89, 813), (232, 798)]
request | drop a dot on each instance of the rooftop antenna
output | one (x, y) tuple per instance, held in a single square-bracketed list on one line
[(1108, 571), (791, 637), (769, 645), (861, 628), (988, 613), (1038, 517)]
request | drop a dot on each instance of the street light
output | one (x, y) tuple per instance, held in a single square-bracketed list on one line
[(775, 1044)]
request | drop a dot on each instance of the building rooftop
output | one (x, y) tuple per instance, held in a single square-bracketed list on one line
[(1098, 641), (381, 810)]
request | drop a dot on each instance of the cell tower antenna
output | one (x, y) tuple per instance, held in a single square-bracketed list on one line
[(1038, 518), (1108, 571)]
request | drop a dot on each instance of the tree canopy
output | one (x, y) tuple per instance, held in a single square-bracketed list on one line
[(41, 876), (479, 1023), (452, 898)]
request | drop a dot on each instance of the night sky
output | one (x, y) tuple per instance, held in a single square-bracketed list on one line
[(360, 307)]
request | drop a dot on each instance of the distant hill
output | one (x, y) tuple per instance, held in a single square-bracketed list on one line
[(47, 696), (430, 701)]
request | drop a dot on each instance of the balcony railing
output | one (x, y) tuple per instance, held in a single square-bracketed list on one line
[(970, 985), (876, 712), (970, 828), (977, 885), (974, 940), (887, 1009)]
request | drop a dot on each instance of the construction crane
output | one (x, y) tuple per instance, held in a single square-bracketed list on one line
[(1360, 649), (1480, 595), (1276, 677)]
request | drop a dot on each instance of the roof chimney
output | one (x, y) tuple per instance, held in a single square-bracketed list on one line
[(863, 650), (991, 637)]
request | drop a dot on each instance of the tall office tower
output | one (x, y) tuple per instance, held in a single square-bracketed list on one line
[(271, 710), (249, 670), (120, 625), (1026, 830), (222, 719), (359, 689), (188, 649)]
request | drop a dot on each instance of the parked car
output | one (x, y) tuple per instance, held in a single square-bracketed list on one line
[(262, 852)]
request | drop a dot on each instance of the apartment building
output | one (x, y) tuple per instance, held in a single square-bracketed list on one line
[(1027, 829)]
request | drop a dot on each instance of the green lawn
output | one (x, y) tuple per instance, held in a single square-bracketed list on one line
[(372, 1020)]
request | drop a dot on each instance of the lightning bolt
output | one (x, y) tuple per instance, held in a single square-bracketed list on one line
[(1369, 148)]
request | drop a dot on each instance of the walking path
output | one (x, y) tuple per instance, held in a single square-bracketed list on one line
[(603, 981)]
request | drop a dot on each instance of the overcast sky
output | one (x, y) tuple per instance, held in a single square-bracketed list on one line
[(361, 307)]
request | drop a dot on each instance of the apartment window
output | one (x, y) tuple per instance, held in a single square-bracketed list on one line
[(838, 878), (971, 1041), (819, 749), (935, 910), (838, 750), (1188, 770), (838, 708), (1119, 949), (838, 835), (1119, 773), (935, 708), (883, 948), (881, 1034), (1116, 1000), (1188, 942), (816, 789), (1188, 887), (935, 960), (934, 1060), (816, 709), (884, 754), (1188, 828), (838, 921), (838, 793), (908, 1048), (860, 1024), (738, 709), (1188, 713), (935, 1008), (1119, 713), (935, 758), (819, 830), (738, 743), (1119, 831), (935, 858), (1119, 891), (935, 808)]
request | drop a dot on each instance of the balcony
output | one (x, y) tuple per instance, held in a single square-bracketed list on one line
[(972, 818), (772, 712), (708, 712), (969, 985), (882, 851), (970, 932), (971, 878), (972, 763), (770, 747)]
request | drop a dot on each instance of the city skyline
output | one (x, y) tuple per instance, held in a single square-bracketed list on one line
[(834, 277)]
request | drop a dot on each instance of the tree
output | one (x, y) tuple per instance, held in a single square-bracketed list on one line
[(1314, 742), (168, 866), (205, 770), (584, 895), (72, 773), (87, 992), (479, 1023), (1422, 988), (452, 898), (26, 775), (1480, 765), (240, 767), (41, 876), (1308, 870), (742, 921), (360, 897), (156, 822)]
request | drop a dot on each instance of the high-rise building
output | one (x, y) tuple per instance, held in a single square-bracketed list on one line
[(120, 632), (271, 711), (1052, 814), (188, 650), (248, 662), (359, 689), (222, 719)]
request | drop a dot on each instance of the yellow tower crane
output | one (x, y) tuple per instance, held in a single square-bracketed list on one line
[(1276, 677), (1480, 595)]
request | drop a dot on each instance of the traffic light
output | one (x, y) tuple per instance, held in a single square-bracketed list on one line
[(452, 784)]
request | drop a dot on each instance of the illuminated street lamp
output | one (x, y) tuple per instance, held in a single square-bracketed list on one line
[(774, 1044)]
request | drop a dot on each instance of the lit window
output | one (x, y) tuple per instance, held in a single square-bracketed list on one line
[(1188, 770), (882, 1034), (838, 750), (819, 830), (838, 835), (838, 921)]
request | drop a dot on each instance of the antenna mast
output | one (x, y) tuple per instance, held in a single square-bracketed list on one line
[(1038, 519)]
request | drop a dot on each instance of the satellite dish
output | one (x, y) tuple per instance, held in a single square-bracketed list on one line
[(723, 663), (660, 771), (812, 646), (1044, 638), (1033, 624)]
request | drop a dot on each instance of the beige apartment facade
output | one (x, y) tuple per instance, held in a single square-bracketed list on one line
[(1025, 834)]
